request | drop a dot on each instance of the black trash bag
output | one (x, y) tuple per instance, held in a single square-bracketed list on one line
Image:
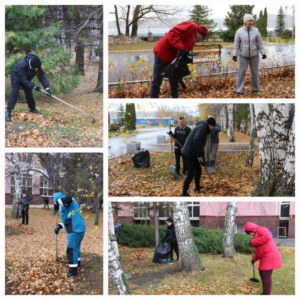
[(162, 254), (141, 158), (178, 68)]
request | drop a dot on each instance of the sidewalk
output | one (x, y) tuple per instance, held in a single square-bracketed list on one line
[(288, 242)]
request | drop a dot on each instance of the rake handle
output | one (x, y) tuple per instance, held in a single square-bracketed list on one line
[(70, 105), (206, 170), (253, 264)]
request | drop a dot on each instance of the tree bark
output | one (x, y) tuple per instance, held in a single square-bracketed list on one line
[(228, 231), (117, 20), (116, 274), (80, 56), (268, 170), (189, 255), (280, 131), (286, 182), (230, 122), (156, 225), (127, 20), (135, 23), (249, 161), (111, 228)]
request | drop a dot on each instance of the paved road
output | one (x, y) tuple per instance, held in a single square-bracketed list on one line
[(288, 242), (148, 140)]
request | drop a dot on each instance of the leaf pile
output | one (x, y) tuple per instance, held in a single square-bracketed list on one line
[(233, 178), (41, 277), (277, 83), (138, 254), (25, 229)]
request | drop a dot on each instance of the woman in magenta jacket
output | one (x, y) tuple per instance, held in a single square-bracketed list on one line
[(267, 254)]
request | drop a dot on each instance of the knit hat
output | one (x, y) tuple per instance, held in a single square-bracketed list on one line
[(35, 62), (211, 121), (247, 18), (203, 30), (170, 220)]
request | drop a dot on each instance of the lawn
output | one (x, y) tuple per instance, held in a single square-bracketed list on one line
[(59, 125), (30, 257), (232, 177), (222, 276)]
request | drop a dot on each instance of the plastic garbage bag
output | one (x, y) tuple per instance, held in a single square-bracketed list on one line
[(178, 68), (162, 254), (141, 158)]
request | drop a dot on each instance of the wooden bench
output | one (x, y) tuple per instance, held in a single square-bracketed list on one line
[(204, 50)]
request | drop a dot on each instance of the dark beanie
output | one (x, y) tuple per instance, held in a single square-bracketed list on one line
[(203, 30), (35, 62), (211, 121), (170, 220)]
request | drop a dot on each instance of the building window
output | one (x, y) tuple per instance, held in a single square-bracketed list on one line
[(45, 188), (284, 210), (26, 183), (240, 228), (165, 210), (140, 211), (194, 210)]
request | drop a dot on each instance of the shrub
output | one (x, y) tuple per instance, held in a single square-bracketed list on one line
[(286, 34), (113, 127), (206, 240)]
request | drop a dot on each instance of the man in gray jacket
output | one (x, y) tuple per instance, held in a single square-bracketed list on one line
[(248, 42)]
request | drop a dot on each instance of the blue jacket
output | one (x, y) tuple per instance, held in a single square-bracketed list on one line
[(70, 216)]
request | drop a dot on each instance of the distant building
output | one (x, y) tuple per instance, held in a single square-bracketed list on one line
[(152, 121), (279, 217)]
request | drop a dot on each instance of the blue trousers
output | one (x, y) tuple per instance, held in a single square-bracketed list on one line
[(73, 248), (157, 80)]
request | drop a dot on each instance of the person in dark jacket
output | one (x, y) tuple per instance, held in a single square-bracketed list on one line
[(46, 201), (24, 203), (181, 38), (21, 76), (212, 147), (180, 134), (74, 224), (266, 252), (193, 150), (170, 233)]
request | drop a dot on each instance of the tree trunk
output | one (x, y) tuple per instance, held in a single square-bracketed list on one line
[(115, 271), (135, 23), (249, 161), (99, 85), (111, 228), (286, 182), (117, 20), (80, 56), (17, 194), (230, 122), (97, 210), (280, 131), (224, 117), (156, 225), (127, 20), (187, 248), (228, 231), (268, 169)]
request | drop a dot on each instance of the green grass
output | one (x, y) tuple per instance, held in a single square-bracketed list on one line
[(222, 276), (278, 40), (10, 231)]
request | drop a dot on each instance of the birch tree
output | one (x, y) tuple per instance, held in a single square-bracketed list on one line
[(230, 122), (280, 131), (156, 225), (116, 273), (190, 259), (286, 182), (249, 161), (268, 170), (228, 231), (223, 112), (111, 228)]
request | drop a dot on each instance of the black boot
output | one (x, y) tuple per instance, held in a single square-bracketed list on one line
[(34, 111), (8, 115), (79, 264), (198, 188), (72, 272)]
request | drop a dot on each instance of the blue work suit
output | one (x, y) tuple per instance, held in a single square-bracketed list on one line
[(74, 224)]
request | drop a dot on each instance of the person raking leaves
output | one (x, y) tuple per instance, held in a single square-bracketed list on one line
[(74, 224), (267, 254), (170, 233), (21, 75)]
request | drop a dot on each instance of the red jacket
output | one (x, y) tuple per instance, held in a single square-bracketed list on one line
[(267, 252), (180, 37)]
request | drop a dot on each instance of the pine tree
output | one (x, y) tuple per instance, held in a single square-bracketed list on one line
[(120, 116), (260, 23), (200, 14), (25, 32), (234, 20), (280, 24), (130, 116), (264, 32)]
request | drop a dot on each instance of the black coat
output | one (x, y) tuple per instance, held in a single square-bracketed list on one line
[(22, 74), (170, 232), (181, 134), (195, 143), (24, 202), (214, 135)]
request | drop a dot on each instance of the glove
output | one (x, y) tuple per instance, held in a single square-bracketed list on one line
[(170, 132), (37, 88), (264, 56), (184, 52), (57, 229), (49, 92), (56, 206), (234, 58), (252, 261)]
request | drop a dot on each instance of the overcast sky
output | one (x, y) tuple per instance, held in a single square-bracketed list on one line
[(220, 11)]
